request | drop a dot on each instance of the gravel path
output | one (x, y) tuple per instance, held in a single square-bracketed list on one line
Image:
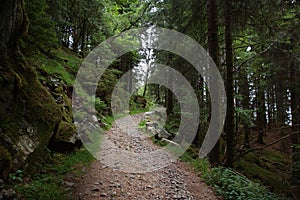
[(119, 173)]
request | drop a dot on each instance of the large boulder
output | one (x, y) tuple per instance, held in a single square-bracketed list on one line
[(28, 114), (65, 139), (154, 124)]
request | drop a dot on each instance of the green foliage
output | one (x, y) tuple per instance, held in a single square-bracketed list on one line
[(42, 28), (16, 176), (64, 64), (49, 184), (106, 84), (245, 116), (100, 105), (108, 120), (136, 108), (228, 183), (47, 188), (73, 162), (120, 15), (173, 123), (142, 125), (232, 185), (202, 165)]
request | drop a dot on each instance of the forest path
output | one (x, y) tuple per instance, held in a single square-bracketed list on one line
[(175, 181)]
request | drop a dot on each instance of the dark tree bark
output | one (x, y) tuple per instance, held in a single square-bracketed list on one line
[(229, 128), (280, 94), (14, 22), (213, 47), (244, 91), (170, 101), (129, 81), (157, 99), (261, 113), (295, 111), (199, 86), (146, 77), (169, 94), (83, 31)]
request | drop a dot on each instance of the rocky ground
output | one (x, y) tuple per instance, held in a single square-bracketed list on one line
[(122, 177)]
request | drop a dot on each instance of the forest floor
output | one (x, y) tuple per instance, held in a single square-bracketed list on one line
[(270, 166), (176, 181)]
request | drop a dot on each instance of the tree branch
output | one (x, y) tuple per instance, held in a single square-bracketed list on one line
[(266, 146)]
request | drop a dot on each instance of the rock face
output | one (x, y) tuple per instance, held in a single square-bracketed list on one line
[(65, 139), (30, 117), (28, 114)]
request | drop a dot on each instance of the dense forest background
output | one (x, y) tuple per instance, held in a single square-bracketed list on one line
[(255, 45)]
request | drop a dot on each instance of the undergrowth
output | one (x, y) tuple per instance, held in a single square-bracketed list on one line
[(228, 183), (47, 180), (234, 186)]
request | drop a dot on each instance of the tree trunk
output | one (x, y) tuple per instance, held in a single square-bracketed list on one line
[(129, 81), (170, 103), (146, 79), (261, 113), (295, 110), (229, 129), (199, 85), (157, 94), (244, 91), (83, 31), (213, 47), (14, 22), (280, 91)]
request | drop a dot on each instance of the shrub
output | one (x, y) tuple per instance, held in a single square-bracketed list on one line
[(232, 185)]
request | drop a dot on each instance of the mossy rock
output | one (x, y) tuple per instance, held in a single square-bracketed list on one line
[(27, 113), (260, 167), (66, 131), (65, 139), (5, 163)]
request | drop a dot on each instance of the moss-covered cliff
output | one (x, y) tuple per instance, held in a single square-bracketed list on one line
[(28, 114), (35, 110)]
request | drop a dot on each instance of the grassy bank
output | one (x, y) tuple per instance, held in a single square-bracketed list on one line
[(47, 181)]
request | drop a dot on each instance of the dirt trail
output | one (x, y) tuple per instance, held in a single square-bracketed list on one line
[(175, 181)]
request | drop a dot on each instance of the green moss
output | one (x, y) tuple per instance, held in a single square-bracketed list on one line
[(65, 63), (31, 105), (65, 131), (66, 109), (264, 167)]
